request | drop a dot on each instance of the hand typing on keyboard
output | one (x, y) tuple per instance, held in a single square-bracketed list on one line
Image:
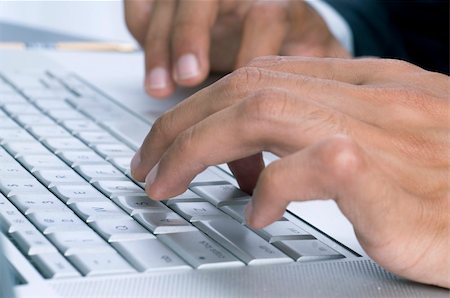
[(370, 134), (183, 40)]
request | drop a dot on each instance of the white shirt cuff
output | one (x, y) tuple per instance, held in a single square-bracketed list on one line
[(337, 25)]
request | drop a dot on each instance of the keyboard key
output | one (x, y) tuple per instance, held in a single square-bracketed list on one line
[(283, 230), (78, 193), (117, 188), (307, 250), (242, 242), (5, 157), (122, 163), (100, 264), (121, 230), (164, 222), (15, 109), (12, 98), (220, 195), (22, 81), (138, 204), (75, 158), (57, 177), (50, 105), (40, 93), (54, 265), (60, 116), (31, 242), (79, 242), (6, 123), (90, 211), (46, 132), (13, 169), (51, 222), (187, 196), (195, 211), (76, 126), (94, 138), (18, 149), (40, 162), (65, 144), (29, 121), (149, 254), (113, 150), (30, 203), (14, 135), (235, 211), (100, 172), (207, 177), (199, 251), (11, 186), (11, 219)]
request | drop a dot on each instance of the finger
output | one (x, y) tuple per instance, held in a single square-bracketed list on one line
[(158, 82), (191, 40), (137, 16), (259, 123), (264, 30), (361, 71), (247, 170), (230, 91), (334, 168)]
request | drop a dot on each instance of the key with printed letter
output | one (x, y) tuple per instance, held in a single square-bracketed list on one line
[(242, 242), (100, 264), (283, 230), (164, 222), (224, 194), (53, 265), (79, 242), (93, 211), (195, 211), (200, 251), (78, 193), (121, 230), (50, 222), (307, 250), (161, 257), (117, 188)]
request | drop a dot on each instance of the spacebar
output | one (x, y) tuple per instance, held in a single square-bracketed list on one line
[(242, 242)]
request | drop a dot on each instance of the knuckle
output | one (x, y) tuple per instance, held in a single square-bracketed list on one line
[(244, 79), (266, 105), (341, 158), (161, 128)]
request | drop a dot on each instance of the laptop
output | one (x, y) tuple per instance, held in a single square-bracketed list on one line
[(74, 223)]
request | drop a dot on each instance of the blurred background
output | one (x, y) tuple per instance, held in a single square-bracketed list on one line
[(97, 20)]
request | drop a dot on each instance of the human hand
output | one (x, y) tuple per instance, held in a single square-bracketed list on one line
[(371, 134), (184, 39)]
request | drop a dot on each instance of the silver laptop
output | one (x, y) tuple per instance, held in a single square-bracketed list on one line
[(75, 224)]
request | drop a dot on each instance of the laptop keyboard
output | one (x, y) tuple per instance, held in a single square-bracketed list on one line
[(70, 206)]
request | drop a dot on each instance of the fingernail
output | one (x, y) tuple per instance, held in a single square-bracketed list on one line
[(157, 79), (151, 176), (187, 67), (136, 160)]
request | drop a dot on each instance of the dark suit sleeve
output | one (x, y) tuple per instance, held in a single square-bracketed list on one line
[(373, 34), (414, 30)]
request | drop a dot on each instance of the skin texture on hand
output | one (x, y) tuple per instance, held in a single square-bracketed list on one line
[(372, 134), (184, 39)]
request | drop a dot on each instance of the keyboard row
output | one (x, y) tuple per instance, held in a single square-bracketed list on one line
[(69, 202)]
